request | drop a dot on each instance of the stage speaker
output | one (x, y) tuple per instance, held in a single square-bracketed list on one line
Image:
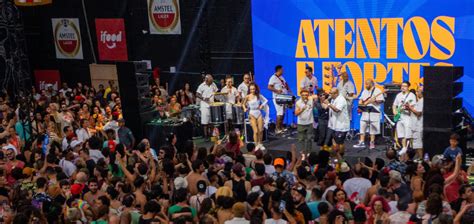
[(440, 103), (391, 91), (135, 96)]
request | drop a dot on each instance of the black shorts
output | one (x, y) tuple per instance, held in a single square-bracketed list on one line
[(339, 136)]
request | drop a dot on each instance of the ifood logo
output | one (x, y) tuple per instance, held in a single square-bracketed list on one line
[(110, 40)]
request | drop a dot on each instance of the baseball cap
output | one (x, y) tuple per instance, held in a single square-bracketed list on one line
[(345, 168), (279, 162), (256, 189), (28, 171), (201, 186), (75, 143), (180, 182), (300, 190), (77, 189)]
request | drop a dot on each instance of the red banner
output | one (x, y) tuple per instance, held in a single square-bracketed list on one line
[(45, 78), (111, 39)]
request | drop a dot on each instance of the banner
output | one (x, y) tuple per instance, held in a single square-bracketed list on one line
[(32, 2), (45, 78), (163, 17), (111, 39), (67, 38), (388, 41)]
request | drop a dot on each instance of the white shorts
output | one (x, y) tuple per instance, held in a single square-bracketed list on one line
[(205, 115), (417, 140), (404, 128), (374, 127), (280, 109)]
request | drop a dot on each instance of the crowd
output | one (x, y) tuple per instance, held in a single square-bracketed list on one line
[(75, 161)]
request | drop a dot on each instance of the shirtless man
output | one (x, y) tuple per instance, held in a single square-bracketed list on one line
[(195, 176), (93, 193)]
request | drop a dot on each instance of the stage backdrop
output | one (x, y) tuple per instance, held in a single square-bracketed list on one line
[(388, 40)]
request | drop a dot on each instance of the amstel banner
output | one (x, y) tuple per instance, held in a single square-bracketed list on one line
[(164, 17), (67, 38), (388, 41)]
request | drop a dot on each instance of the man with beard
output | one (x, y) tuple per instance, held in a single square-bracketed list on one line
[(93, 193), (299, 195)]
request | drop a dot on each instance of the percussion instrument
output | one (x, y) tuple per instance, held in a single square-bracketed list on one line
[(190, 112), (283, 99), (238, 115), (217, 113)]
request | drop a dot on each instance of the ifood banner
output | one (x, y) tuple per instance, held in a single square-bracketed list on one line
[(46, 78), (67, 38), (388, 41), (111, 40), (163, 17)]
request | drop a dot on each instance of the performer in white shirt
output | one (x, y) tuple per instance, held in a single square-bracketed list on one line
[(347, 90), (339, 123), (417, 122), (371, 97), (304, 112), (278, 85), (309, 82), (231, 98), (255, 103), (400, 108), (205, 92), (244, 86)]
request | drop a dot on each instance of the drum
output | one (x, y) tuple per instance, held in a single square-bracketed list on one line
[(283, 99), (217, 113), (238, 115)]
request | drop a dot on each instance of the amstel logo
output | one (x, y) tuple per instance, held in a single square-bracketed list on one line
[(164, 14), (67, 38)]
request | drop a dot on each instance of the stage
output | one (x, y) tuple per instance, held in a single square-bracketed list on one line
[(280, 145)]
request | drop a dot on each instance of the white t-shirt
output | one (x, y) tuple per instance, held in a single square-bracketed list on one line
[(243, 90), (82, 134), (68, 167), (357, 184), (306, 83), (230, 99), (269, 169), (346, 88), (366, 94), (273, 221), (339, 121), (279, 83), (305, 117), (207, 91), (400, 100), (417, 122)]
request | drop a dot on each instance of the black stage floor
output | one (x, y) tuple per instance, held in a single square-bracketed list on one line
[(280, 145)]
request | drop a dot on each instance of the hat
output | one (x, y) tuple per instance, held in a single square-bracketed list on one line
[(201, 186), (28, 171), (77, 189), (75, 143), (301, 191), (256, 189), (279, 162), (238, 169), (180, 182), (345, 168), (395, 175)]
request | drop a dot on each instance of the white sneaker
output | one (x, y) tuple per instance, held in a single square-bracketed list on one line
[(403, 151), (261, 147), (360, 145), (278, 131)]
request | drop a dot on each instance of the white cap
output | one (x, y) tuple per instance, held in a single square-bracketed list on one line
[(75, 143)]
